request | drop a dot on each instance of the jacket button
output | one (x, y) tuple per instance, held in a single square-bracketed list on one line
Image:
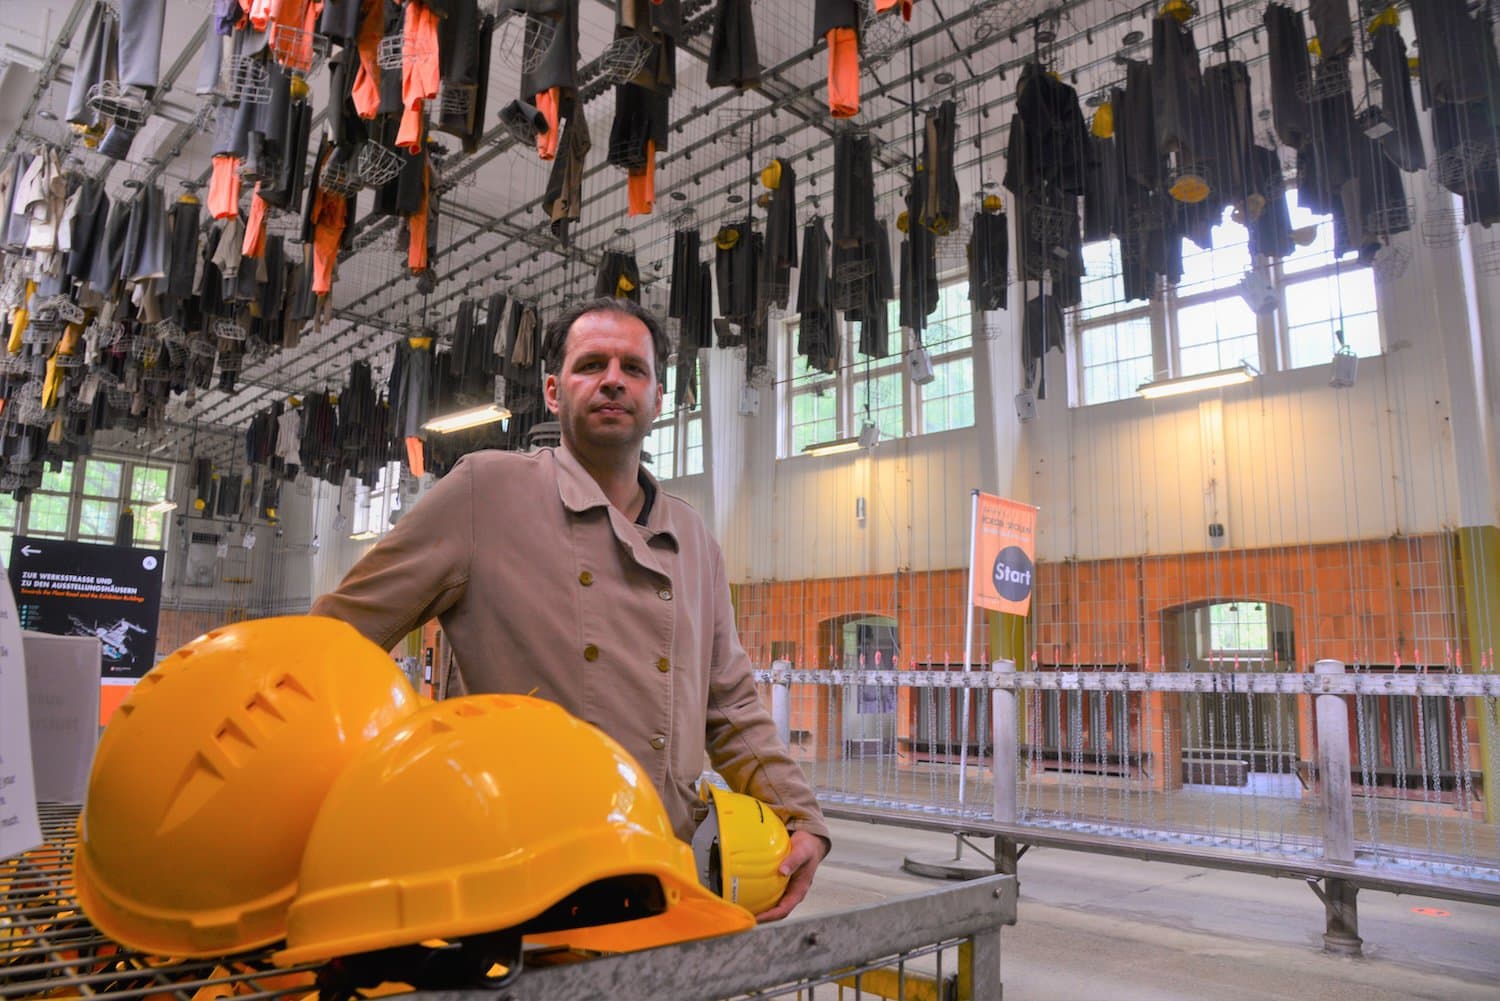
[(585, 578), (658, 742), (591, 652), (665, 594), (664, 665)]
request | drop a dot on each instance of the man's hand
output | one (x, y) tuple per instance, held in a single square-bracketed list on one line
[(801, 861)]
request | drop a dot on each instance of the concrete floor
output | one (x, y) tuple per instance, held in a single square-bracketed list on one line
[(1095, 926)]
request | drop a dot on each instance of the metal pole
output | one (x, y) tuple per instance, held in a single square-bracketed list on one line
[(781, 700), (1006, 747), (1333, 770), (963, 720)]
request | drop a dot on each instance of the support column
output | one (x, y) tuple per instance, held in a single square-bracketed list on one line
[(1479, 566)]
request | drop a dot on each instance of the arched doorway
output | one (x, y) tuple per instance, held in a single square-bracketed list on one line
[(1234, 738), (865, 717)]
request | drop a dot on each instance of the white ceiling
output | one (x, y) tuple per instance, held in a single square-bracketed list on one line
[(491, 231)]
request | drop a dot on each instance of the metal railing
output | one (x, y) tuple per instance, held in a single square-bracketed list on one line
[(1371, 779)]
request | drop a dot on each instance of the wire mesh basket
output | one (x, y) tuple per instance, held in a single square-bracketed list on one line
[(1487, 258), (1330, 79), (377, 165), (202, 347), (1049, 227), (1441, 227), (228, 330), (28, 406), (340, 176), (231, 361), (730, 130), (537, 35), (249, 80), (283, 223), (297, 49), (623, 58), (1456, 168), (851, 284), (118, 397), (389, 52), (66, 310), (67, 361), (456, 100), (13, 365), (146, 349), (109, 100), (1396, 217), (881, 35)]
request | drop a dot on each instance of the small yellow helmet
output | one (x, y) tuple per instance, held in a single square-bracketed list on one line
[(1315, 47), (739, 849), (992, 203), (770, 175), (1182, 10), (1103, 125), (623, 287), (1190, 188), (903, 222), (727, 238)]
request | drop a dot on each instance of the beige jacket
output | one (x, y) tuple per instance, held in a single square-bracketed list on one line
[(540, 583)]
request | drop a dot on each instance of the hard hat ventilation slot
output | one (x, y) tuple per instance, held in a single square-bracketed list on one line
[(603, 902)]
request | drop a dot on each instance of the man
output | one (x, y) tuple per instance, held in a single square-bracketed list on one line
[(569, 574)]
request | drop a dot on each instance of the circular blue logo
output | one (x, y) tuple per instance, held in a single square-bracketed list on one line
[(1012, 574)]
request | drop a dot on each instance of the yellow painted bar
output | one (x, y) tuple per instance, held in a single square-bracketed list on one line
[(1479, 565), (887, 983)]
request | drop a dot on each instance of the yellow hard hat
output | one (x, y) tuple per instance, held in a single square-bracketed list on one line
[(1190, 188), (739, 847), (903, 221), (727, 238), (207, 779), (1103, 125), (1315, 47), (770, 175), (1182, 10), (549, 827), (1387, 18), (992, 203), (623, 287)]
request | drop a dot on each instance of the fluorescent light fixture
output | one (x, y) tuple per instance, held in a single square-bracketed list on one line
[(161, 507), (867, 437), (462, 420), (1238, 375), (365, 536), (833, 447)]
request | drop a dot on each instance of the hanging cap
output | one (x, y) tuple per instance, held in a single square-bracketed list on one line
[(903, 222), (992, 203), (1180, 9), (770, 175), (1103, 125), (727, 238), (1190, 188), (623, 287)]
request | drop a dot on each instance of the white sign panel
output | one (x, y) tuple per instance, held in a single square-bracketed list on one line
[(62, 686), (18, 825)]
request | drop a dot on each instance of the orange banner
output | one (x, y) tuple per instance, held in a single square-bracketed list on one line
[(1004, 552)]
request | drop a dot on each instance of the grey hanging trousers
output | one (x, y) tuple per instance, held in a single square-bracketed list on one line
[(141, 23)]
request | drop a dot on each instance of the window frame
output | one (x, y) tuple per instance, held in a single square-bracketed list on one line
[(854, 372), (76, 495), (683, 422), (1273, 330)]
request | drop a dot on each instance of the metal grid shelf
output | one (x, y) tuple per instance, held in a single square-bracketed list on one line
[(49, 950)]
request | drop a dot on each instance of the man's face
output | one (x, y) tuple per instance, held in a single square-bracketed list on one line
[(606, 395)]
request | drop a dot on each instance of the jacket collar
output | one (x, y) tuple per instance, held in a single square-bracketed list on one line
[(580, 492)]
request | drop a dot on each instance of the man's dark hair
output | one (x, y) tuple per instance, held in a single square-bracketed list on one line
[(555, 343)]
